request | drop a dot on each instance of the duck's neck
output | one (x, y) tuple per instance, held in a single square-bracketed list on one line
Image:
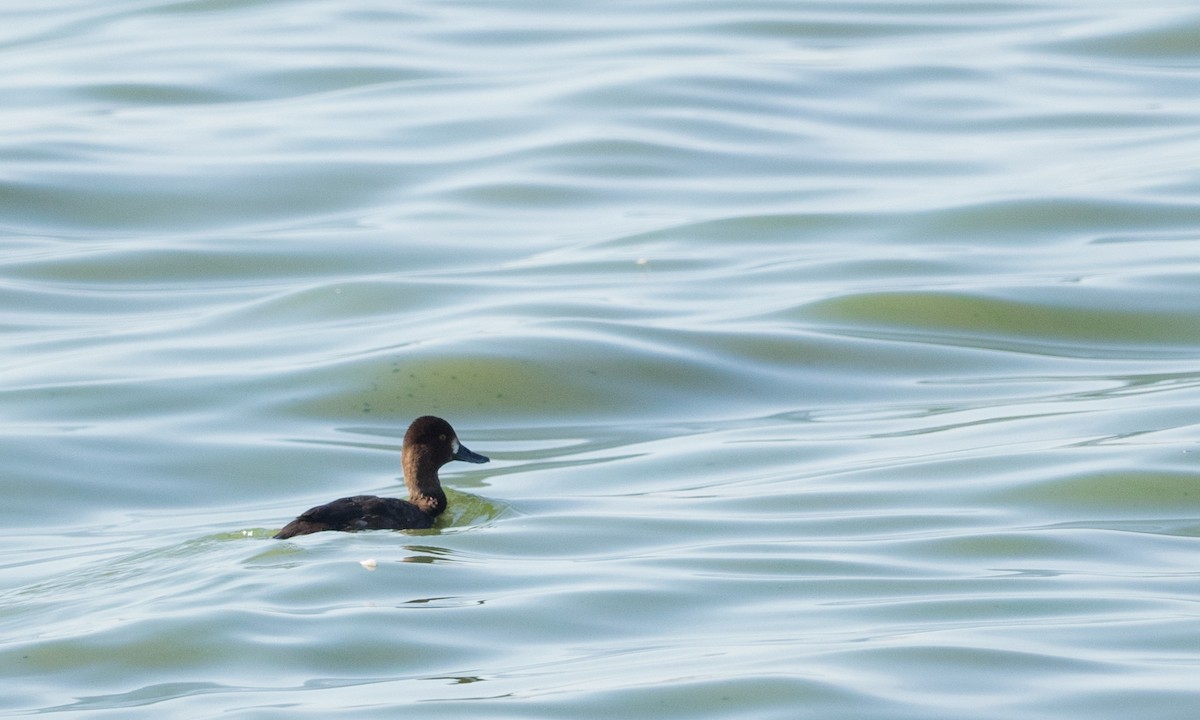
[(424, 488)]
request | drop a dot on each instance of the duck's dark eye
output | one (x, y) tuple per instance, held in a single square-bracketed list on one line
[(442, 437)]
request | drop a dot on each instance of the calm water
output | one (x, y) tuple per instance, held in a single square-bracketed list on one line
[(836, 360)]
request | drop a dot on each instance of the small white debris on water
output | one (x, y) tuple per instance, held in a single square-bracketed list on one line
[(369, 564)]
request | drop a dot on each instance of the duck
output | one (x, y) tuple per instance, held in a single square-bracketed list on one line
[(429, 444)]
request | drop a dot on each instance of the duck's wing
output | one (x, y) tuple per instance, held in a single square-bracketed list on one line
[(360, 512), (380, 513)]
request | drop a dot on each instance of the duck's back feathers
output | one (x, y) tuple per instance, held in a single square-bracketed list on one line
[(361, 512)]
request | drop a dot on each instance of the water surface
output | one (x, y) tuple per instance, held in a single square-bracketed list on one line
[(836, 360)]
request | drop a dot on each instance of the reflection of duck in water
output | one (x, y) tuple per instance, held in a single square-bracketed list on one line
[(429, 444)]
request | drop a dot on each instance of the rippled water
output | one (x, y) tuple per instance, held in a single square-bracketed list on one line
[(836, 360)]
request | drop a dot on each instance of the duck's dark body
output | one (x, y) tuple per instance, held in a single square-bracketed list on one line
[(429, 444), (361, 512)]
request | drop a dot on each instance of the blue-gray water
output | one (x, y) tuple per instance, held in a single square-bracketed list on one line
[(836, 360)]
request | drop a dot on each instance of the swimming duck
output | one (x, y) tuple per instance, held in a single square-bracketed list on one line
[(429, 444)]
